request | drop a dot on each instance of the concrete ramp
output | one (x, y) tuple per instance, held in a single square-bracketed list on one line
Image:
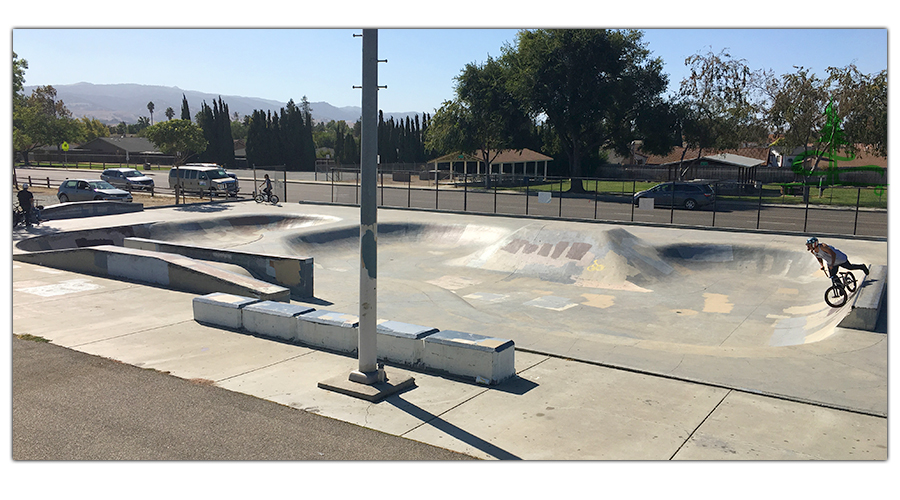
[(168, 270)]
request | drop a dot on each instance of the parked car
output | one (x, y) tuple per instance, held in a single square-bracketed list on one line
[(88, 190), (689, 195), (203, 178), (127, 178)]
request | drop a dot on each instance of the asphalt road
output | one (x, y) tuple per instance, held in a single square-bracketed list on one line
[(68, 405)]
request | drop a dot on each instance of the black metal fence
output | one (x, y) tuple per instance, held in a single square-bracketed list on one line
[(843, 210)]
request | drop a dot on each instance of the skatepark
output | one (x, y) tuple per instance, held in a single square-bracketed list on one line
[(632, 342)]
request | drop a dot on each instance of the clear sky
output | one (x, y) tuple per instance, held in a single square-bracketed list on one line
[(325, 64)]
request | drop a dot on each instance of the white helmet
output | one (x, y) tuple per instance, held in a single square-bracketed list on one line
[(24, 185)]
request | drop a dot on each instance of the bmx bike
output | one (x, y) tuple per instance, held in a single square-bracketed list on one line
[(262, 197), (842, 285)]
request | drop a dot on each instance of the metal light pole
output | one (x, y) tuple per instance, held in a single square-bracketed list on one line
[(368, 372)]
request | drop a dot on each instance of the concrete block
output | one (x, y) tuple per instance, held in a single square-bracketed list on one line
[(221, 309), (485, 359), (273, 319), (402, 342), (330, 330), (867, 301)]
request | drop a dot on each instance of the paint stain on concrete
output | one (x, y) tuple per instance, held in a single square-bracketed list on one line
[(62, 288), (599, 301), (551, 302), (717, 303)]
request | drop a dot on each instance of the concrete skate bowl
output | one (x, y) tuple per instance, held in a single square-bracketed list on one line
[(546, 288), (222, 232)]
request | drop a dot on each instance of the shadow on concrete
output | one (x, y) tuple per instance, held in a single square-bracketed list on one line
[(446, 427), (204, 208)]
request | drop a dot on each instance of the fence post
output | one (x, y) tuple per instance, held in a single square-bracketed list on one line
[(596, 196), (409, 190), (559, 215), (633, 191), (285, 184), (495, 195), (436, 175), (759, 206), (806, 212), (48, 184), (715, 201), (856, 215), (466, 191), (526, 194)]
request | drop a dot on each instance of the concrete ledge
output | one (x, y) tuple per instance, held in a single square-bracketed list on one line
[(169, 270), (485, 359), (402, 342), (868, 301), (330, 330), (294, 273), (221, 309), (76, 210), (273, 319)]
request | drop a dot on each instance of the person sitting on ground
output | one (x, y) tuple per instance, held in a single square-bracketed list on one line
[(26, 201), (833, 257)]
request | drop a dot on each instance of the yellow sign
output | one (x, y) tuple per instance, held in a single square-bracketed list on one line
[(65, 146)]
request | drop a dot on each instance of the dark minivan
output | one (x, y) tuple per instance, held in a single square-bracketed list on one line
[(689, 195)]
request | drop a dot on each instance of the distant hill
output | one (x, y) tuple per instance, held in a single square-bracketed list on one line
[(125, 102)]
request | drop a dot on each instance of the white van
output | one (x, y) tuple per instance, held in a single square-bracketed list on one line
[(203, 178)]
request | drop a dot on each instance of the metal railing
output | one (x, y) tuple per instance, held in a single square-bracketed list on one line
[(842, 210)]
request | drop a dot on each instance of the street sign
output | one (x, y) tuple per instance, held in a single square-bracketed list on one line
[(65, 146)]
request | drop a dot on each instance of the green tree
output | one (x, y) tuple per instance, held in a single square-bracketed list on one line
[(180, 138), (151, 107), (42, 120), (593, 86), (185, 109), (720, 103), (216, 125), (92, 128), (170, 113), (485, 115), (861, 107)]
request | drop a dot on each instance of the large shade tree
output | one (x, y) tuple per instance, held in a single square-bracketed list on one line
[(720, 103), (485, 115), (596, 88)]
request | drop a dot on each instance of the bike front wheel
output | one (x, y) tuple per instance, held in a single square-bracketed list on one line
[(260, 198), (835, 296)]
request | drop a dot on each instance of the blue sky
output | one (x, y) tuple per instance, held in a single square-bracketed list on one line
[(324, 64)]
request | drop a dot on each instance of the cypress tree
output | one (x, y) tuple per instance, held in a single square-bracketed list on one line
[(185, 110)]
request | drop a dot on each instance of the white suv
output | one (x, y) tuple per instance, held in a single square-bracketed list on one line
[(127, 178)]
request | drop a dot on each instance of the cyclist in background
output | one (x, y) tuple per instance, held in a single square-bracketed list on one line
[(268, 189), (835, 258)]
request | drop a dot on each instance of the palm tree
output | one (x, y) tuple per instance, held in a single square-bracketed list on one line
[(151, 107)]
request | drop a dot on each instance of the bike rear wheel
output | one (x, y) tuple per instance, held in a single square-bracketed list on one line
[(835, 296), (850, 282), (273, 199)]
